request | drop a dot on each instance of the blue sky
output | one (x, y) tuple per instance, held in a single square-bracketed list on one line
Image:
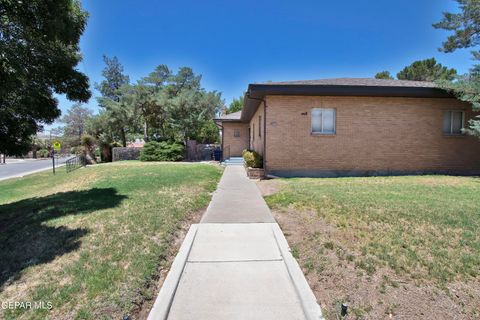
[(233, 43)]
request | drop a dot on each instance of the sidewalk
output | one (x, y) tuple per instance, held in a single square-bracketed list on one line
[(235, 264)]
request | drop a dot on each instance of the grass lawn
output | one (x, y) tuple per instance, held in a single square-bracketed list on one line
[(91, 242), (400, 246)]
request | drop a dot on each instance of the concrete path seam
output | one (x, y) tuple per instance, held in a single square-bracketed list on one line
[(233, 261)]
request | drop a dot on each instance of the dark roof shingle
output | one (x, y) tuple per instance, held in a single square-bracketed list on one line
[(365, 82)]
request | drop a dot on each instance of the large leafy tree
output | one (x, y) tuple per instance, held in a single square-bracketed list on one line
[(116, 98), (384, 75), (190, 107), (39, 52), (114, 79), (426, 70), (465, 28), (175, 107), (151, 101), (171, 106), (235, 105), (75, 120), (422, 70)]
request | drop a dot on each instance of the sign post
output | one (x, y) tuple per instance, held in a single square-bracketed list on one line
[(56, 147)]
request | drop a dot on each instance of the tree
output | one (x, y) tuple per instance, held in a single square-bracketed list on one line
[(384, 75), (39, 52), (114, 79), (151, 99), (426, 70), (99, 127), (88, 143), (121, 115), (75, 120), (465, 26), (175, 107), (235, 105), (190, 110), (116, 98)]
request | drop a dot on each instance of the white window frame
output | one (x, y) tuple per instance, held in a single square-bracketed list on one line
[(451, 133), (322, 132), (235, 131)]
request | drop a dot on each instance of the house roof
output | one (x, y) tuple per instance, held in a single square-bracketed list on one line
[(357, 82), (234, 116), (366, 87)]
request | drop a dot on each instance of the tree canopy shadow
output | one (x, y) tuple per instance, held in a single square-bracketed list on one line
[(26, 239)]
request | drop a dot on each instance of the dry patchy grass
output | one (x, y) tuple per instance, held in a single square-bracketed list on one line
[(405, 247)]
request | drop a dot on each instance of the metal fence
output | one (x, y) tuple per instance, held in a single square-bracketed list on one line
[(75, 162)]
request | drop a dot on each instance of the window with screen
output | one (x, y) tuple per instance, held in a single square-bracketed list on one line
[(323, 121), (453, 122)]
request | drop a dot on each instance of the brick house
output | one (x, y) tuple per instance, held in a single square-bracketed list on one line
[(353, 127)]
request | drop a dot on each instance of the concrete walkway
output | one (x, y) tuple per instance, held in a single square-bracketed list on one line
[(235, 264)]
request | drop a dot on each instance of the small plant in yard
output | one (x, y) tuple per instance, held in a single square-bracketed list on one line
[(252, 159), (88, 143)]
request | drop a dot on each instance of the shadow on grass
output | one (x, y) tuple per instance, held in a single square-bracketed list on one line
[(26, 239)]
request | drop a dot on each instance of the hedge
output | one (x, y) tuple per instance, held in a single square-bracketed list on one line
[(162, 151)]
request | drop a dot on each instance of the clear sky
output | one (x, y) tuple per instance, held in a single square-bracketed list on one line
[(236, 42)]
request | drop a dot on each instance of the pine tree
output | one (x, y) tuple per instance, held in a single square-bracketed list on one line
[(465, 26)]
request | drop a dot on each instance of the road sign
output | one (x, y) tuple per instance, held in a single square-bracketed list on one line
[(57, 146)]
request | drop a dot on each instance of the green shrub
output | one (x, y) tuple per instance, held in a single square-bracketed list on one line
[(162, 151), (88, 141), (42, 153), (252, 159), (76, 150)]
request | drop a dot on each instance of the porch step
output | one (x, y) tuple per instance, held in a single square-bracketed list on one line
[(236, 161)]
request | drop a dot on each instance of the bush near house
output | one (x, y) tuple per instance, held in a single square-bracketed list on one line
[(252, 159), (162, 151)]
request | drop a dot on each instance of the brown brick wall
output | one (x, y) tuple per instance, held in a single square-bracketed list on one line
[(256, 141), (237, 145), (373, 135)]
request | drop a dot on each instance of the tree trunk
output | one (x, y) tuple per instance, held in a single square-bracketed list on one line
[(107, 154), (123, 137), (145, 132)]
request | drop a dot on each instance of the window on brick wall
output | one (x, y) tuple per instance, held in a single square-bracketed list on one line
[(259, 126), (323, 121), (236, 133), (453, 122)]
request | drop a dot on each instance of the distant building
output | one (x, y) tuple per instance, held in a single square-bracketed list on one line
[(138, 143)]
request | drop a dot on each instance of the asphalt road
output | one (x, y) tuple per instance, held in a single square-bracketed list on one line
[(17, 168)]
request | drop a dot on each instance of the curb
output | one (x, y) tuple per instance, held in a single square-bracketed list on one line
[(307, 298), (164, 300)]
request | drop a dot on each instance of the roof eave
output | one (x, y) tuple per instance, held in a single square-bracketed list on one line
[(257, 92)]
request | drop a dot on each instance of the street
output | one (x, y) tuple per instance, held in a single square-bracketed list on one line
[(19, 167)]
